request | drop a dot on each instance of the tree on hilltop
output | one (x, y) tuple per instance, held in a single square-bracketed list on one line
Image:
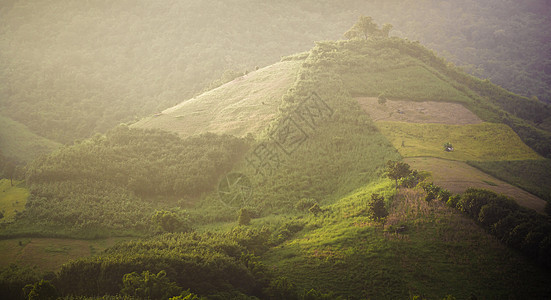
[(365, 28), (397, 170)]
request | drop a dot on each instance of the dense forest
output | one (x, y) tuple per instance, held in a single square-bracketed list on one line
[(73, 69), (117, 181)]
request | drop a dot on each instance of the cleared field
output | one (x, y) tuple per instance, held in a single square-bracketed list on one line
[(49, 254), (245, 105), (457, 176), (418, 112), (479, 142), (12, 199)]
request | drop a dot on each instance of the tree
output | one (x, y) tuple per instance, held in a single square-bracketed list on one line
[(376, 209), (167, 221), (42, 290), (245, 216), (149, 286), (397, 170), (385, 31), (364, 28), (9, 170), (548, 208)]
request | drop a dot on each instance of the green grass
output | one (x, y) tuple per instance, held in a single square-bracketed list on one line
[(533, 176), (441, 253), (12, 199), (411, 82), (483, 142), (20, 143)]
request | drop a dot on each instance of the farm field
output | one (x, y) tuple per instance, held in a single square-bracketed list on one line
[(418, 111), (480, 142), (457, 176)]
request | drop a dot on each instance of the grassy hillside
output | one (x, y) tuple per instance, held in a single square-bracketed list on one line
[(485, 141), (458, 176), (441, 252), (531, 175), (286, 213), (19, 143), (12, 199), (245, 105), (73, 70)]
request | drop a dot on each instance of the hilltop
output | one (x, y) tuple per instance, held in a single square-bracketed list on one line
[(244, 105)]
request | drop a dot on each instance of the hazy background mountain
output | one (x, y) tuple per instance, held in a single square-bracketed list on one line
[(70, 69)]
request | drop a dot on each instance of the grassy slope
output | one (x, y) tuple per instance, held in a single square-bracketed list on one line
[(17, 141), (245, 105), (486, 141), (531, 175), (12, 199), (441, 253), (457, 176)]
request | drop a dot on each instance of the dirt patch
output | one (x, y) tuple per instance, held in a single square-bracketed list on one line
[(418, 112), (458, 176)]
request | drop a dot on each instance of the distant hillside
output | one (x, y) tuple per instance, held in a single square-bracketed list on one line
[(71, 69), (20, 144), (245, 105)]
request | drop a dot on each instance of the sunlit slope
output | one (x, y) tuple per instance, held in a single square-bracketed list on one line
[(485, 141), (245, 105), (19, 143)]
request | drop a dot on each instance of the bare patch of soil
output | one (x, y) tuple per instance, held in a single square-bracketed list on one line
[(418, 112)]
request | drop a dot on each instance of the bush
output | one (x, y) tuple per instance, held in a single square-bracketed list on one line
[(432, 191), (491, 214), (245, 216), (42, 290), (149, 286), (305, 204), (452, 202)]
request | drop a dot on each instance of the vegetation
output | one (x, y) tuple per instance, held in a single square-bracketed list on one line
[(315, 233), (73, 70), (12, 199), (20, 144), (121, 179), (483, 142), (533, 176)]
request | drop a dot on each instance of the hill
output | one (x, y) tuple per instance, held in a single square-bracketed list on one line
[(244, 105), (73, 70), (20, 144), (288, 212)]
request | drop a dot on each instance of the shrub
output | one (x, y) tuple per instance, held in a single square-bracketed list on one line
[(305, 204), (149, 286), (452, 202), (491, 214), (42, 290), (245, 216)]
